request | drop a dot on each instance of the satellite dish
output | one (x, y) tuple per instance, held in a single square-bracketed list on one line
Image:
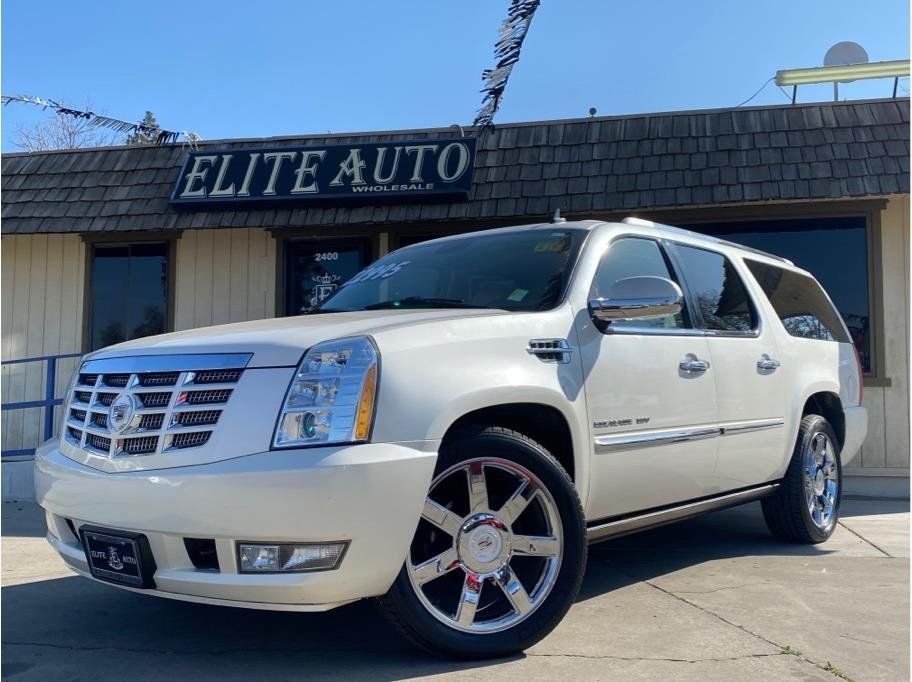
[(844, 53)]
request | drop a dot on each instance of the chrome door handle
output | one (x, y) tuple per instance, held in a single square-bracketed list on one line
[(767, 364), (694, 365)]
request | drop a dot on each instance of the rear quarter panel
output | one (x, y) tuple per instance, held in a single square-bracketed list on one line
[(811, 366)]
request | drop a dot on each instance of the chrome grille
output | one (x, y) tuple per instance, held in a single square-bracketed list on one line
[(207, 397), (219, 376), (116, 380), (159, 379), (171, 410), (197, 417), (155, 399)]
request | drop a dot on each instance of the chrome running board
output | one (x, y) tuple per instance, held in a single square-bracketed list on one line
[(650, 519)]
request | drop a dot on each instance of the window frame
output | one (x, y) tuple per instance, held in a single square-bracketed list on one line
[(698, 315), (688, 308), (869, 209), (126, 239), (844, 329)]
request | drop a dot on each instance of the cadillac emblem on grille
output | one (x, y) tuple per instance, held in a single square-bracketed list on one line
[(121, 413)]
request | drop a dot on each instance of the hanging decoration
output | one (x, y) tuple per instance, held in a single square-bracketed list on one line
[(158, 135), (506, 51)]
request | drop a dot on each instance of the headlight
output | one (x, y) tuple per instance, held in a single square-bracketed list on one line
[(331, 398)]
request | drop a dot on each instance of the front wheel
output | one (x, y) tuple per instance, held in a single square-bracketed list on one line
[(499, 552)]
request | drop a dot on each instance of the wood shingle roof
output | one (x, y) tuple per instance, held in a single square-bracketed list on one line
[(522, 171)]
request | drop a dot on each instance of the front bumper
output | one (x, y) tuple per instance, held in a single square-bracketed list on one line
[(370, 494)]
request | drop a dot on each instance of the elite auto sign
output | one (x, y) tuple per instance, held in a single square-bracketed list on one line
[(366, 172)]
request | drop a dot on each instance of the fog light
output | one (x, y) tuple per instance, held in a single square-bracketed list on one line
[(280, 558)]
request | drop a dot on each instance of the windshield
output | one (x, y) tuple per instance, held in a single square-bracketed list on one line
[(523, 271)]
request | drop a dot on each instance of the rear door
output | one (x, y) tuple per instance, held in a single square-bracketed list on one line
[(653, 421), (750, 383)]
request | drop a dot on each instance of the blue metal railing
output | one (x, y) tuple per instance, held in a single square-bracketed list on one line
[(49, 403)]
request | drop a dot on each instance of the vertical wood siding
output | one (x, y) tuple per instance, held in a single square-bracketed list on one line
[(42, 304), (886, 449), (226, 275)]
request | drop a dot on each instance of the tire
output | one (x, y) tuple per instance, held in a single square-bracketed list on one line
[(788, 513), (470, 606)]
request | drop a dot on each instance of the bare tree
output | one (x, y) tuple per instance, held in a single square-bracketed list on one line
[(63, 131)]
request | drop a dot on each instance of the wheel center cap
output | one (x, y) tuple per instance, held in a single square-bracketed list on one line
[(485, 544), (819, 482)]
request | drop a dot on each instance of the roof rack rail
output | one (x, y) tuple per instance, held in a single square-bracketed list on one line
[(648, 223)]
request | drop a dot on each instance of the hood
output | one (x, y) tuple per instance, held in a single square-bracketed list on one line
[(281, 342)]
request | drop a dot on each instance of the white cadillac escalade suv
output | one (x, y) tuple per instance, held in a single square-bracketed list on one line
[(451, 428)]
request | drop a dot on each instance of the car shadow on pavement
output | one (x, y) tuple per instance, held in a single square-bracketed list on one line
[(56, 627), (724, 534)]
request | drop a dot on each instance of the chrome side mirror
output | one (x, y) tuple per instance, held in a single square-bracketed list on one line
[(637, 298)]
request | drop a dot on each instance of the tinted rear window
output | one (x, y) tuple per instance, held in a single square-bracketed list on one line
[(800, 303)]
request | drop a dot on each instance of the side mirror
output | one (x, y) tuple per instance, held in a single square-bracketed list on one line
[(637, 298)]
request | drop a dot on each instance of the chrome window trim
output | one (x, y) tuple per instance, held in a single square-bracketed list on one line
[(133, 364), (654, 331)]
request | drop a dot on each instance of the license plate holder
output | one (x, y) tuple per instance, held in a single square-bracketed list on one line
[(118, 556)]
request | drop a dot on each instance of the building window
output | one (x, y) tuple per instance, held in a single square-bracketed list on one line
[(129, 292), (834, 250), (314, 269)]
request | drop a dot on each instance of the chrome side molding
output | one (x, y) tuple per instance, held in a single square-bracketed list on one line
[(751, 425), (624, 441), (645, 439), (651, 519)]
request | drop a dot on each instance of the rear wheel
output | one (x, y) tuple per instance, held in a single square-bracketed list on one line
[(806, 506), (499, 553)]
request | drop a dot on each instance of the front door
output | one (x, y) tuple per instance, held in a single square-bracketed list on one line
[(651, 407), (315, 269), (750, 385)]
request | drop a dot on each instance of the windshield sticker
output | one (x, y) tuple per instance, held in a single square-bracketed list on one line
[(378, 271), (518, 295), (556, 244)]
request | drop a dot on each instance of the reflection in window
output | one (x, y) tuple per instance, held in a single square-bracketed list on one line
[(834, 250), (129, 292), (718, 291), (632, 257)]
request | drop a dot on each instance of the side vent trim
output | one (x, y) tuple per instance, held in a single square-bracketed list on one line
[(550, 350)]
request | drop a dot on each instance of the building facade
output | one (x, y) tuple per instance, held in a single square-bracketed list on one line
[(102, 245)]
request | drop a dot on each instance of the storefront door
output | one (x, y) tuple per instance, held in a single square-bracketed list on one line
[(314, 269)]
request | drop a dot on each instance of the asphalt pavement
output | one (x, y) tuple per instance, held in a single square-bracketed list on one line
[(714, 598)]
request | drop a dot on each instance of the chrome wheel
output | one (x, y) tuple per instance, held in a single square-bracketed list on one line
[(488, 548), (821, 480)]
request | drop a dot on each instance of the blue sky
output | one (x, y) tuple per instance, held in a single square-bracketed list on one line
[(242, 69)]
